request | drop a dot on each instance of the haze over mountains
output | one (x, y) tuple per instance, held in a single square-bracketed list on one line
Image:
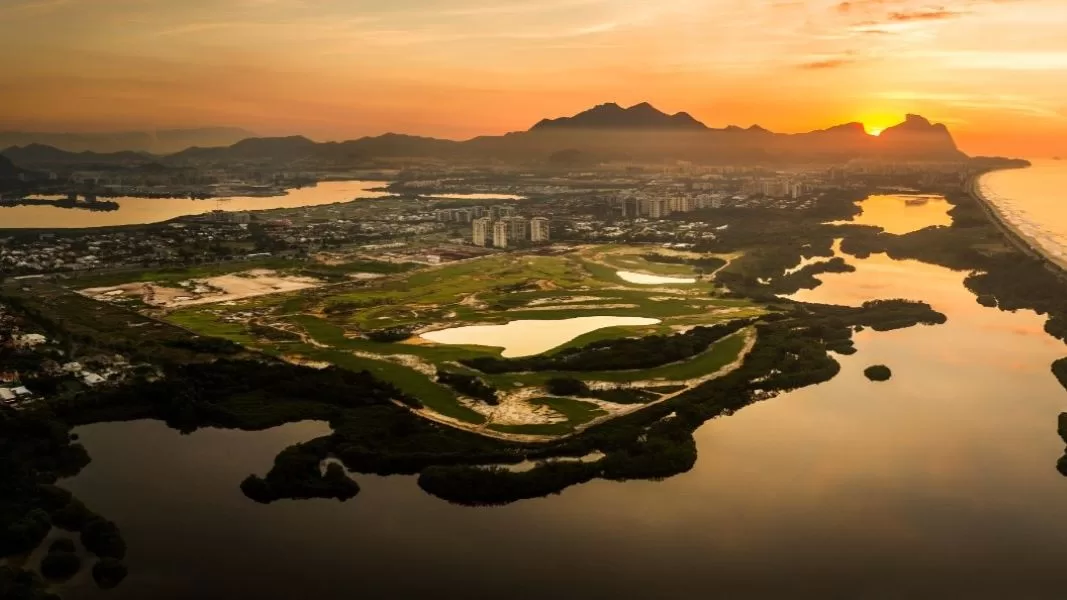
[(603, 133), (165, 141)]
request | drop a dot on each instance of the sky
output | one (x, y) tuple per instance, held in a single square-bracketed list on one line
[(994, 71)]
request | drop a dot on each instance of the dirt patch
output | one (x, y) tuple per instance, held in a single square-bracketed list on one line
[(224, 288), (572, 307), (566, 300), (412, 362), (516, 410)]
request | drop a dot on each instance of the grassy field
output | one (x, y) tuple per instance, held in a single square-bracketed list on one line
[(718, 356), (436, 397), (493, 289), (637, 263), (171, 276)]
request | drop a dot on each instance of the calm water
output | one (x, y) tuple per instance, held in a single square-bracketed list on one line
[(532, 336), (903, 213), (136, 211), (939, 483), (644, 279), (1035, 201)]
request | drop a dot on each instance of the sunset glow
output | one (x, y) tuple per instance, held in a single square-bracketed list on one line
[(337, 69)]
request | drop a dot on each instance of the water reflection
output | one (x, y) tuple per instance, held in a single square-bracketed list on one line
[(135, 211), (935, 484), (645, 279), (903, 213), (529, 337)]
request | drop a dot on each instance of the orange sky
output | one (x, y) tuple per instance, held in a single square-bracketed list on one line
[(995, 71)]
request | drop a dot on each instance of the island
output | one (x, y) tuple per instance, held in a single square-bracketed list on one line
[(878, 373)]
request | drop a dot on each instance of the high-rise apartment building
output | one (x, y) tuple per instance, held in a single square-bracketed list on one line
[(501, 229), (539, 230), (483, 228)]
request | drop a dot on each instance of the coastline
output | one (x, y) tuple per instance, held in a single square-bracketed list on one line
[(1023, 242)]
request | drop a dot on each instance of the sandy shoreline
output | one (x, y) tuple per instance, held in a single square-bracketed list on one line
[(1027, 243)]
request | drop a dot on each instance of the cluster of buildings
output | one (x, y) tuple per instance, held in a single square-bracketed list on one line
[(775, 187), (41, 359), (636, 204), (510, 231), (499, 226), (468, 214)]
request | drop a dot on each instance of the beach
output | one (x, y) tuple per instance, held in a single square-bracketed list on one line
[(1027, 234)]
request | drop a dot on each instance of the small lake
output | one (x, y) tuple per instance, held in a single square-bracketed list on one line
[(645, 279), (529, 337), (903, 213), (139, 211)]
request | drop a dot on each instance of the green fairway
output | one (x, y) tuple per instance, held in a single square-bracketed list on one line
[(337, 324), (718, 356), (437, 397)]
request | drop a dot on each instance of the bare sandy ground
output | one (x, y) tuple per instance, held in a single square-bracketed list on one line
[(566, 300), (234, 286), (551, 307)]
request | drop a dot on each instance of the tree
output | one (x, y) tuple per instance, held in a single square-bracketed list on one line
[(878, 373)]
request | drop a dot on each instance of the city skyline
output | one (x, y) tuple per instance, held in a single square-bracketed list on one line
[(457, 69)]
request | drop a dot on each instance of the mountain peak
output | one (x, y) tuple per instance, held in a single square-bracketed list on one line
[(918, 137), (612, 116)]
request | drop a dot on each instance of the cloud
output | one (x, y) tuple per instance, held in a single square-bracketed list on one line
[(850, 5), (830, 63), (924, 15)]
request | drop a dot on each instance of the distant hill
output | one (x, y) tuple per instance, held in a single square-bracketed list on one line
[(607, 132), (293, 150), (164, 141), (253, 149), (39, 156), (613, 116), (8, 170)]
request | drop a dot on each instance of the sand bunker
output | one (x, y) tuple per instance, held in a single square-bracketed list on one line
[(223, 288)]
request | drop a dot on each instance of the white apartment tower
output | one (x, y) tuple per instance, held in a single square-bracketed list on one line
[(516, 228), (539, 231), (500, 234), (658, 208), (482, 230)]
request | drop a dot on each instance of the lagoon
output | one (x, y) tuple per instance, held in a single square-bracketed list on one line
[(139, 211), (902, 213), (529, 337), (940, 483), (645, 279)]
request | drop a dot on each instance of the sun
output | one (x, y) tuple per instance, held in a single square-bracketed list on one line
[(876, 122)]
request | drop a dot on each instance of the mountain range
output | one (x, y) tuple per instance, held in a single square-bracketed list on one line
[(7, 169), (164, 141), (607, 132)]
